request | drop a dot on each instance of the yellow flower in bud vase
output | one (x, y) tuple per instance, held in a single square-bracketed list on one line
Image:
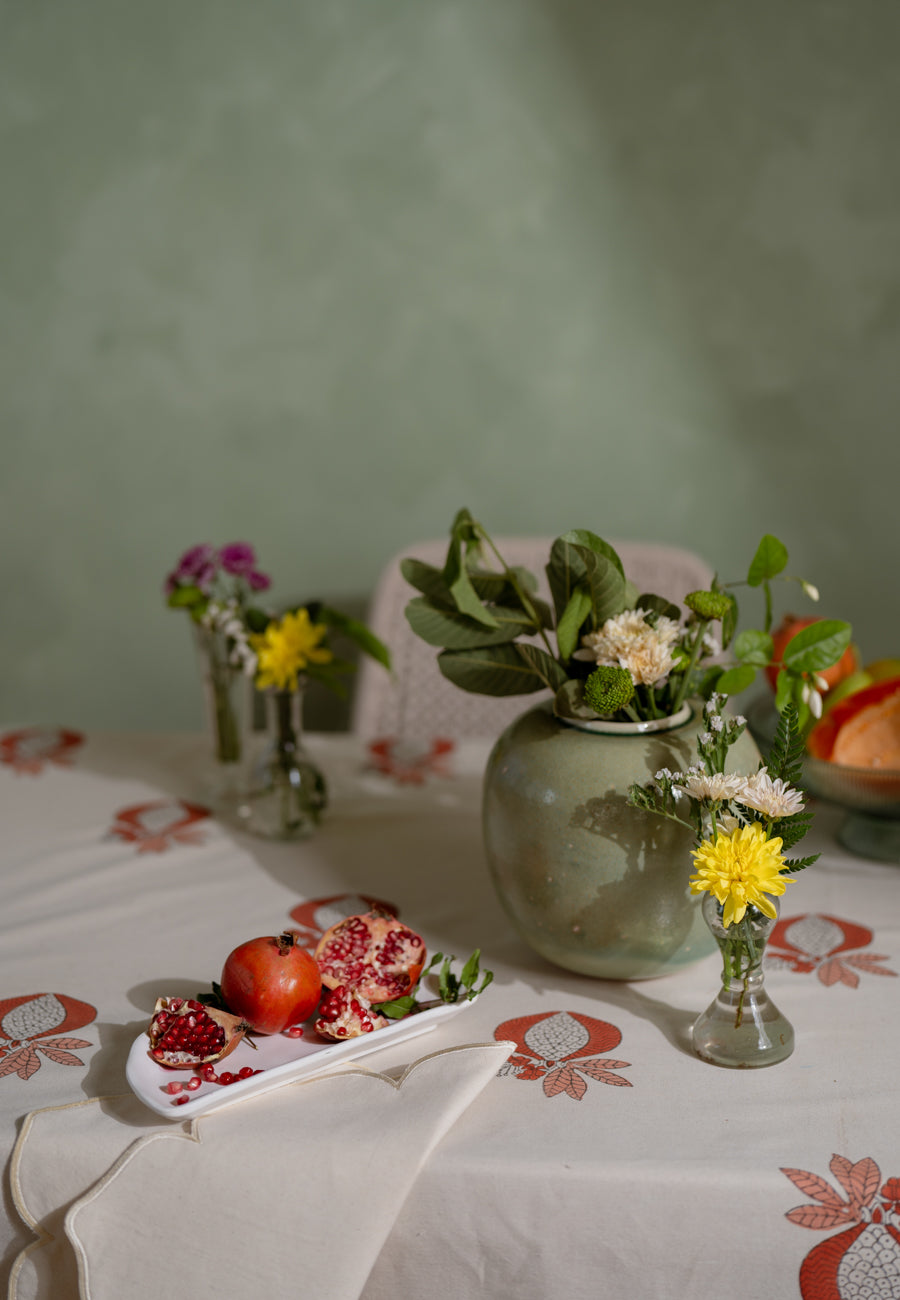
[(740, 869), (286, 648)]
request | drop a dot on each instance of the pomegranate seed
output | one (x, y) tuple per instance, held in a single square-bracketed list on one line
[(193, 1083), (246, 1072), (180, 1101), (174, 1086), (226, 1077), (295, 1031)]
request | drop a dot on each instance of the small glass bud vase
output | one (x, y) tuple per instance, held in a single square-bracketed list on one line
[(742, 1029), (286, 792), (226, 691)]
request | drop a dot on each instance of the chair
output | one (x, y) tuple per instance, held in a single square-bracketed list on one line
[(416, 703)]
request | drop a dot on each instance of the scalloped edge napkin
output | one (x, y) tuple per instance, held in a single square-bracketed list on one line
[(296, 1188)]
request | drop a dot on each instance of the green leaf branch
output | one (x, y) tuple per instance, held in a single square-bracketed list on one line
[(451, 987), (495, 635)]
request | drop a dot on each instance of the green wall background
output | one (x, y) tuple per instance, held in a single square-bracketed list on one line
[(313, 275)]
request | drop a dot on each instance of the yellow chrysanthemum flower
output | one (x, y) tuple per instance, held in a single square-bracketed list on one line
[(286, 648), (740, 868)]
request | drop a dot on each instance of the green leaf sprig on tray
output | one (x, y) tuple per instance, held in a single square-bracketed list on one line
[(495, 636), (451, 987)]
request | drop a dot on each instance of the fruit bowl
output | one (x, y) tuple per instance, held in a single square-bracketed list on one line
[(871, 797)]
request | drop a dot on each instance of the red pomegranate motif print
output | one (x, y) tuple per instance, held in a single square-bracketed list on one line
[(30, 750), (319, 914), (26, 1026), (409, 764), (863, 1262), (826, 945), (559, 1047), (155, 827)]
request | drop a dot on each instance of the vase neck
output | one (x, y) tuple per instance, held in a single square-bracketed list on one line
[(284, 717)]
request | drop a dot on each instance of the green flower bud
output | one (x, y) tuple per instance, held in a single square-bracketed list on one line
[(608, 689), (708, 604)]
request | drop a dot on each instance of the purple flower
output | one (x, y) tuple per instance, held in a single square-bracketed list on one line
[(237, 558), (258, 581), (196, 568), (195, 561)]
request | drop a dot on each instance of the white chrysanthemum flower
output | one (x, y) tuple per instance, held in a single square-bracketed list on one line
[(773, 798), (628, 641), (715, 786)]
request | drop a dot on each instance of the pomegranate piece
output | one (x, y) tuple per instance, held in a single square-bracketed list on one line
[(346, 1014), (375, 955), (184, 1033)]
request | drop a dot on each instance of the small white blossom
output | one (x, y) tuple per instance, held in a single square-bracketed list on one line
[(716, 786), (715, 723), (773, 798), (811, 591)]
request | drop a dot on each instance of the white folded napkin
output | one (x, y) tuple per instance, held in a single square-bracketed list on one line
[(292, 1191)]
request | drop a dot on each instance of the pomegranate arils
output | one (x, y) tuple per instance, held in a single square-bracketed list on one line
[(345, 1014), (375, 954), (187, 1033)]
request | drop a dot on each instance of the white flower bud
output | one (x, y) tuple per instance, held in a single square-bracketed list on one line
[(811, 591)]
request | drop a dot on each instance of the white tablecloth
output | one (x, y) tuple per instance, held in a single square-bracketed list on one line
[(598, 1157)]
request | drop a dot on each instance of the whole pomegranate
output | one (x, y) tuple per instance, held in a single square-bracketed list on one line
[(374, 955), (184, 1033), (787, 629), (345, 1014), (271, 982)]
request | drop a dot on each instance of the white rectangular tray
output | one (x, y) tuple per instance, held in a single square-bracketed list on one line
[(281, 1059)]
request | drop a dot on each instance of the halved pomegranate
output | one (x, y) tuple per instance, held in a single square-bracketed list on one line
[(345, 1014), (184, 1033), (375, 955)]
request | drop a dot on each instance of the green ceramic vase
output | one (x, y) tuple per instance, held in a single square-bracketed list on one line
[(590, 883)]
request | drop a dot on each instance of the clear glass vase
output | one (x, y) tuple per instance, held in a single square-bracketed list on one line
[(286, 792), (742, 1028), (226, 691)]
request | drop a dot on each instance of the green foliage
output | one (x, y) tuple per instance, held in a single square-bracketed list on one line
[(785, 757), (770, 559), (494, 634)]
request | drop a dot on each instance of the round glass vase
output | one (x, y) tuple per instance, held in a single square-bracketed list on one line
[(226, 693), (742, 1029), (591, 883), (286, 792)]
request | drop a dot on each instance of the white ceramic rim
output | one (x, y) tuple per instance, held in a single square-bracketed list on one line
[(605, 727)]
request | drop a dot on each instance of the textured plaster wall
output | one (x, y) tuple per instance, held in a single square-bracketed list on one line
[(316, 274)]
